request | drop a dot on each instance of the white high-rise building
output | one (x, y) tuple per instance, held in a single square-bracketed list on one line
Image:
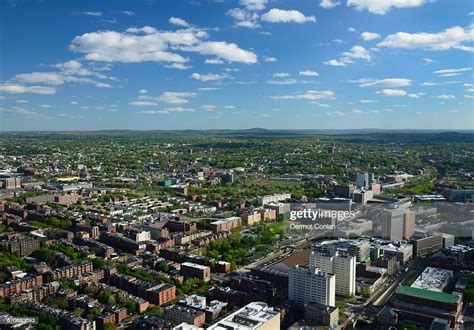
[(310, 285), (342, 265)]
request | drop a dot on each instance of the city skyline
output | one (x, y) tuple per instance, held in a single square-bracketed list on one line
[(237, 64)]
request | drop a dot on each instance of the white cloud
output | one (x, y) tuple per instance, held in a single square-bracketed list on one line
[(393, 92), (244, 18), (213, 61), (281, 74), (368, 101), (451, 72), (92, 13), (178, 21), (335, 62), (351, 29), (178, 66), (20, 89), (154, 112), (142, 91), (282, 82), (308, 73), (19, 110), (45, 106), (229, 107), (73, 68), (142, 103), (207, 89), (337, 113), (446, 97), (48, 78), (355, 53), (253, 4), (176, 97), (452, 38), (382, 7), (390, 82), (367, 36), (286, 16), (209, 76), (428, 60), (328, 4), (269, 59), (226, 51), (148, 44), (357, 111), (179, 109), (208, 107), (310, 95), (166, 111), (127, 12)]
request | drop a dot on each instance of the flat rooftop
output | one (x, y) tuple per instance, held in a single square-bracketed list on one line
[(427, 294)]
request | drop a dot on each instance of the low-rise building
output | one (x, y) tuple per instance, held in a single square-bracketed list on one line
[(254, 316)]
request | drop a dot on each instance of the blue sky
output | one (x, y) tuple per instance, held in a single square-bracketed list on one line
[(313, 64)]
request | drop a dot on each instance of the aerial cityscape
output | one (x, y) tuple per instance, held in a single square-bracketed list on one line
[(237, 164)]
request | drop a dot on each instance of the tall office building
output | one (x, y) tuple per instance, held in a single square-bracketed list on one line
[(362, 181), (310, 285), (398, 224), (342, 265)]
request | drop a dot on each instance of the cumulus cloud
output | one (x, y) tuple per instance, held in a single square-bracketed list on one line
[(55, 79), (452, 38), (20, 89), (269, 59), (382, 7), (281, 74), (328, 4), (310, 95), (367, 36), (178, 21), (392, 92), (223, 50), (209, 76), (335, 62), (177, 66), (286, 16), (148, 44), (213, 61), (244, 18), (308, 73), (390, 82), (253, 4), (355, 53), (176, 97)]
